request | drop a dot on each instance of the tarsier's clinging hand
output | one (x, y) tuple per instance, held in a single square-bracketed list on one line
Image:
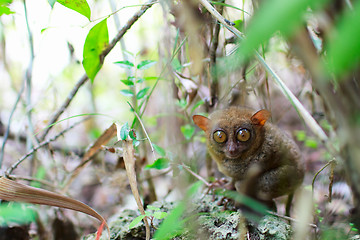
[(263, 162)]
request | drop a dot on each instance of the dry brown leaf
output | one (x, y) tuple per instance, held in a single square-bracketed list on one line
[(17, 192), (105, 137), (130, 171)]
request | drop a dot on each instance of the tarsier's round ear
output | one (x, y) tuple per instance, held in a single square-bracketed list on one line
[(260, 117), (202, 122)]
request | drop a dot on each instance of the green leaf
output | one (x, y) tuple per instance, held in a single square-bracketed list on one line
[(124, 131), (52, 2), (160, 215), (272, 16), (172, 225), (311, 143), (132, 134), (198, 104), (182, 103), (142, 93), (136, 221), (343, 49), (188, 131), (125, 64), (4, 9), (136, 143), (145, 64), (140, 80), (128, 82), (159, 150), (127, 92), (300, 136), (160, 163), (16, 213), (150, 78), (153, 208), (96, 41), (80, 6)]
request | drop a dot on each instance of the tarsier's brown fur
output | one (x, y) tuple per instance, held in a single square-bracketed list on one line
[(266, 166)]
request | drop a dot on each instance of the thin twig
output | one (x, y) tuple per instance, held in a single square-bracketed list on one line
[(143, 127), (84, 78), (32, 179), (6, 135), (42, 144), (290, 219), (316, 174), (196, 175)]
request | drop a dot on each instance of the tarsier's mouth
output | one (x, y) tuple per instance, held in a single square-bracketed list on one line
[(233, 156)]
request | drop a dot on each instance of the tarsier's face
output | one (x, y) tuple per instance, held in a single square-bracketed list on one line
[(230, 140), (233, 132)]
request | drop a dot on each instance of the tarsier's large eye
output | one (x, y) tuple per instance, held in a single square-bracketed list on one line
[(243, 135), (220, 136)]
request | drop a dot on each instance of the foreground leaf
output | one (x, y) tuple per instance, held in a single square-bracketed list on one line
[(275, 15), (96, 41), (17, 192), (4, 9), (343, 50), (172, 225), (16, 213), (80, 6)]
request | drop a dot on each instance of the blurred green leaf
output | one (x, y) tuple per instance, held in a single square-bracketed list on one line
[(136, 221), (124, 131), (160, 215), (272, 16), (52, 2), (176, 64), (16, 213), (300, 135), (150, 78), (172, 225), (239, 24), (124, 64), (127, 92), (96, 41), (188, 131), (311, 143), (132, 134), (128, 82), (80, 6), (159, 150), (145, 64), (182, 103), (198, 104), (142, 93), (140, 80), (4, 9), (136, 143), (343, 49), (160, 163), (153, 208)]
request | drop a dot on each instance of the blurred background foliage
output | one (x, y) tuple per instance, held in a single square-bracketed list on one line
[(299, 59)]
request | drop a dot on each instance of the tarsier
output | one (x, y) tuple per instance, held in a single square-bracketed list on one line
[(263, 162)]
